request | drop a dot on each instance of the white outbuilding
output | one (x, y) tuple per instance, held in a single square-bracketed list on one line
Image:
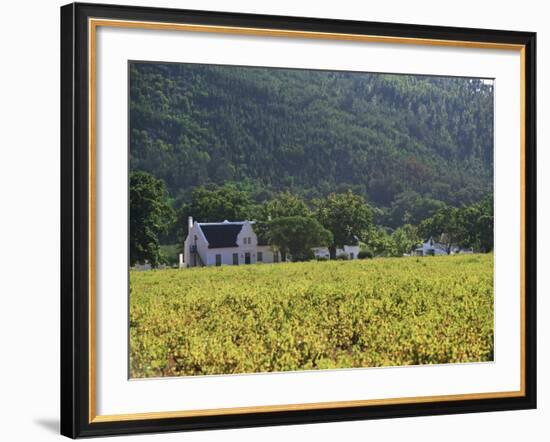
[(430, 247)]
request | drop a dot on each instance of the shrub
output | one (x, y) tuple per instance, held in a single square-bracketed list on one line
[(343, 256), (364, 254)]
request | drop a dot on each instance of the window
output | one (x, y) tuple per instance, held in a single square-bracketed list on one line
[(218, 260), (260, 256), (235, 259)]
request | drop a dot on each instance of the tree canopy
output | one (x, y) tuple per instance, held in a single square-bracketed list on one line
[(297, 235), (150, 216), (346, 215), (312, 132), (283, 204), (468, 226)]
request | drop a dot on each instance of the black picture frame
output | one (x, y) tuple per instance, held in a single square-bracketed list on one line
[(75, 221)]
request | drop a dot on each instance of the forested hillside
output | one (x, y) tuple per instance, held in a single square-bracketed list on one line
[(391, 138)]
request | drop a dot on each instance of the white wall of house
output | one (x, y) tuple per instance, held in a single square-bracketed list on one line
[(351, 251), (194, 237), (433, 248), (247, 239), (269, 255), (323, 252), (247, 246), (226, 255)]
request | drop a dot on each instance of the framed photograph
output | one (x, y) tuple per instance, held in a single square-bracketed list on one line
[(274, 220)]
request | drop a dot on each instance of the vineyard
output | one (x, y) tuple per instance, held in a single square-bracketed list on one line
[(312, 315)]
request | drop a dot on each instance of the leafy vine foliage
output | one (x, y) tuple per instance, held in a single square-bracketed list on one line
[(309, 315)]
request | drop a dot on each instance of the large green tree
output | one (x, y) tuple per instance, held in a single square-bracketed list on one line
[(476, 223), (379, 242), (282, 205), (214, 204), (397, 243), (466, 226), (219, 203), (485, 224), (410, 207), (443, 227), (297, 236), (150, 216), (404, 239), (346, 215)]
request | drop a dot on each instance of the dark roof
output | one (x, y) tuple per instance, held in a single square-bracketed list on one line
[(221, 235), (435, 244)]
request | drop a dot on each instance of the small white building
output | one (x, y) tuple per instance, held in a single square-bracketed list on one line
[(224, 243), (351, 252), (431, 247)]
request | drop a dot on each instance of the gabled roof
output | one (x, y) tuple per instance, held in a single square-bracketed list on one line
[(220, 235), (434, 244)]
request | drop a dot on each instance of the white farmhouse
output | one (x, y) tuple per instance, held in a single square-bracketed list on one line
[(224, 243), (431, 247)]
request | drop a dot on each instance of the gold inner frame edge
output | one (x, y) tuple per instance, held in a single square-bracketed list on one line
[(93, 24)]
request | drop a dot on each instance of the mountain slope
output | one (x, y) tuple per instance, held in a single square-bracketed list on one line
[(312, 132)]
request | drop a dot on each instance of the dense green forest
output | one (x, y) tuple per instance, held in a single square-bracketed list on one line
[(410, 146), (312, 132)]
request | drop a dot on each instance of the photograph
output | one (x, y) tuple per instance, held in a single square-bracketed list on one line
[(285, 219), (275, 220)]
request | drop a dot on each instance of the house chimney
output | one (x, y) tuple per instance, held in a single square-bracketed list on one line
[(190, 222)]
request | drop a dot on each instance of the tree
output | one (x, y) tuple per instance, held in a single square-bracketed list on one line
[(219, 203), (467, 226), (476, 225), (442, 227), (485, 224), (379, 242), (410, 207), (283, 205), (346, 215), (214, 204), (297, 235), (150, 215), (405, 238)]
